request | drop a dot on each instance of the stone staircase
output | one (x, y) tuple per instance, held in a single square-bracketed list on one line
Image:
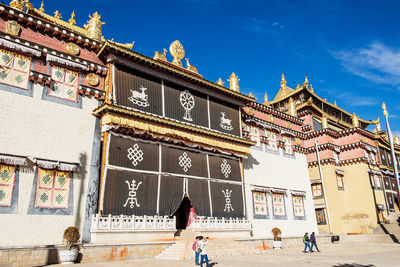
[(217, 248), (393, 227)]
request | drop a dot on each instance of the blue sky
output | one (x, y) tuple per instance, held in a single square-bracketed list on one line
[(349, 49)]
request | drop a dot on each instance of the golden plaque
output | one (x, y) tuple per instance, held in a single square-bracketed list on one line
[(92, 79), (72, 48), (178, 52), (12, 27)]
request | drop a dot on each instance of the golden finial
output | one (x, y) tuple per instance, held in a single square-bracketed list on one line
[(324, 122), (265, 99), (384, 109), (57, 15), (251, 94), (311, 88), (334, 102), (292, 107), (298, 87), (19, 4), (378, 125), (220, 82), (283, 81), (305, 82), (178, 52), (72, 19), (93, 27), (396, 140), (41, 9), (28, 5), (234, 82), (354, 120)]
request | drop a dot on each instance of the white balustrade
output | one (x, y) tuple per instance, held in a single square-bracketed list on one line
[(213, 223), (122, 223)]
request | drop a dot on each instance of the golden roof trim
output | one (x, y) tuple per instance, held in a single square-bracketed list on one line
[(124, 111), (176, 70)]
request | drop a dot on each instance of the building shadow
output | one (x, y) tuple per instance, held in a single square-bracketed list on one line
[(353, 265), (250, 162)]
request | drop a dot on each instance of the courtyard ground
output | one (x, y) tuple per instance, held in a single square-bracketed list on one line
[(338, 255)]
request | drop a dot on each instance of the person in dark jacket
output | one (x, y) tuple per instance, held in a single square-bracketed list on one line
[(313, 242), (306, 241)]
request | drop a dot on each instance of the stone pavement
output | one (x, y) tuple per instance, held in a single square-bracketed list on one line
[(337, 255)]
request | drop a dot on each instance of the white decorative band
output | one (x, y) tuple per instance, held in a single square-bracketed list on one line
[(66, 62), (18, 47), (13, 160)]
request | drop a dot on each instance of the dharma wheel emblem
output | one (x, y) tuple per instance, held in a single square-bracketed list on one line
[(178, 52), (187, 102)]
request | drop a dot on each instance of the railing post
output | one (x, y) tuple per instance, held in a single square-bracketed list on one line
[(174, 220), (133, 222), (165, 222), (97, 218), (121, 221), (156, 222), (109, 222), (223, 223), (230, 223), (145, 222)]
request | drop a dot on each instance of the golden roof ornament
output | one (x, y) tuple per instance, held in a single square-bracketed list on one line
[(355, 121), (384, 109), (334, 102), (251, 94), (72, 20), (178, 52), (378, 125), (396, 140), (93, 27), (19, 4), (265, 99), (292, 107), (41, 9), (298, 87), (160, 56), (28, 5), (324, 122), (283, 81), (57, 15), (311, 88), (234, 83), (190, 67), (220, 82), (305, 84)]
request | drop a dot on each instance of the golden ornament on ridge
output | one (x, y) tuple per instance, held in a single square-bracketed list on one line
[(178, 52)]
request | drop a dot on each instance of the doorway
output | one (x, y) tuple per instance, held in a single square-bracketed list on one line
[(182, 214)]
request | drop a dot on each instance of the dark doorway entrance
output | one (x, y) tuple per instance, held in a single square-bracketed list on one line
[(182, 214)]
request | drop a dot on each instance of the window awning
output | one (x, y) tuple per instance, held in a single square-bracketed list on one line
[(51, 164), (374, 172), (288, 133), (66, 62), (317, 181), (380, 206), (261, 189), (340, 172), (298, 193), (19, 47), (278, 191), (319, 206), (13, 160)]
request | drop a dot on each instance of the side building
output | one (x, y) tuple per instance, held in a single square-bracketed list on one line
[(277, 183), (342, 162), (50, 82)]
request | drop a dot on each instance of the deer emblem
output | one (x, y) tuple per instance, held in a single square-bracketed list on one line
[(161, 56), (225, 123), (139, 98)]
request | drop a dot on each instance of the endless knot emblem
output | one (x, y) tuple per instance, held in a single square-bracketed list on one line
[(185, 162), (187, 102), (132, 194), (135, 154), (228, 206), (225, 168)]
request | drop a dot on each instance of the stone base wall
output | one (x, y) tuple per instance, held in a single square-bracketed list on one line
[(39, 256)]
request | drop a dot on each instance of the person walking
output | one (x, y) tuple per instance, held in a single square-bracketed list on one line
[(306, 241), (203, 251), (195, 247), (313, 242)]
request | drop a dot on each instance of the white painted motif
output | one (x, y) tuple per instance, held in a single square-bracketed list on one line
[(187, 101), (139, 98), (132, 194), (228, 206), (225, 168), (185, 162), (225, 123), (135, 154)]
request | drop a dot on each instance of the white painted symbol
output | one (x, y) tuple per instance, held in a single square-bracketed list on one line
[(135, 154), (185, 162), (139, 98), (225, 168), (132, 194), (187, 102), (228, 206), (225, 123)]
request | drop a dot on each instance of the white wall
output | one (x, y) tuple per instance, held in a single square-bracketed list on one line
[(39, 128), (273, 169)]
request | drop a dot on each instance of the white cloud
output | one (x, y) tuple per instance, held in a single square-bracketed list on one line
[(377, 63)]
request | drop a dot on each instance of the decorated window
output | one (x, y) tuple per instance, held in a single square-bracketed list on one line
[(317, 190), (378, 181), (7, 180), (278, 204), (14, 69), (255, 135), (271, 140), (260, 203), (288, 145), (298, 206), (52, 189), (320, 214), (336, 157), (339, 180), (64, 84)]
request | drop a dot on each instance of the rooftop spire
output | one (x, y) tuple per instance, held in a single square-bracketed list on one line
[(306, 82), (220, 82), (57, 15), (265, 99), (283, 81), (19, 4), (93, 27), (41, 9), (72, 19), (396, 140), (234, 82)]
